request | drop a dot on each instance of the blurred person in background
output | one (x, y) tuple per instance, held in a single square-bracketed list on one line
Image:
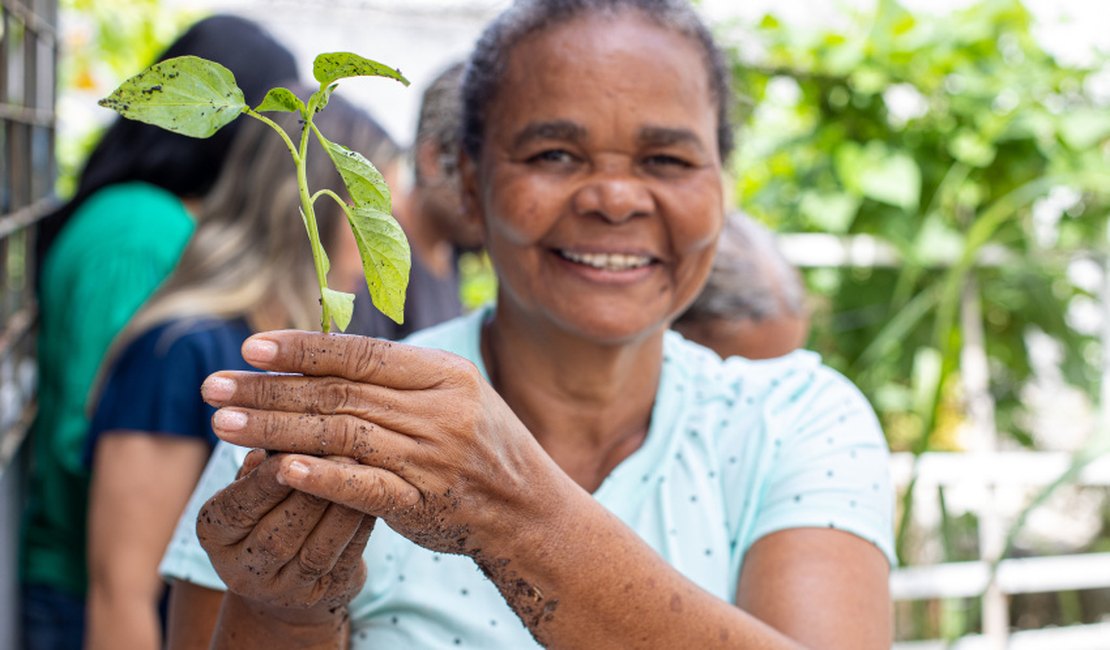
[(247, 268), (430, 213), (103, 253), (753, 304)]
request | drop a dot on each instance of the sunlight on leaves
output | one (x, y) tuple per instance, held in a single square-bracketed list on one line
[(386, 258), (186, 95), (281, 99), (364, 182), (340, 305), (332, 66)]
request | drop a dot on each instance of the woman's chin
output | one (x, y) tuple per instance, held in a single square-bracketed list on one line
[(615, 331)]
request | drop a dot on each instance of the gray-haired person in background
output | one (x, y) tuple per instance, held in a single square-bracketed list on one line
[(753, 304), (435, 155), (429, 213)]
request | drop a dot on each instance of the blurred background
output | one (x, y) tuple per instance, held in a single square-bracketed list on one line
[(939, 170)]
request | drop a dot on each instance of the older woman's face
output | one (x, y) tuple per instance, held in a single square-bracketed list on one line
[(599, 180)]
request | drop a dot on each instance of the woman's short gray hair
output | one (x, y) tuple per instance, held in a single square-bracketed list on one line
[(487, 62), (750, 280)]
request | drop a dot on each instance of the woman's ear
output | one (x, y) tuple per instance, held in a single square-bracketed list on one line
[(429, 167)]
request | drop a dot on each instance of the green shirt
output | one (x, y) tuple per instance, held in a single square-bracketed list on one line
[(115, 251)]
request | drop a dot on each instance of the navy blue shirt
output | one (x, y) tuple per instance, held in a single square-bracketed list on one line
[(154, 384)]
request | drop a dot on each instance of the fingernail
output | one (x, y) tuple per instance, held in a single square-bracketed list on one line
[(261, 350), (296, 469), (217, 389), (229, 420)]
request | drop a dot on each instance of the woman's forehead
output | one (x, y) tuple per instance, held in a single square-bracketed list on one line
[(591, 61), (594, 40)]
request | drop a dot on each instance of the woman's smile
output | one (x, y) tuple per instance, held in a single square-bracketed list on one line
[(596, 270), (607, 261)]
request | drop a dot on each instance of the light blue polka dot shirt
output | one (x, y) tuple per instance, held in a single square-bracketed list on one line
[(736, 450)]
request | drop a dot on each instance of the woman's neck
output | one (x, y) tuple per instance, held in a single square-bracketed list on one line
[(589, 405)]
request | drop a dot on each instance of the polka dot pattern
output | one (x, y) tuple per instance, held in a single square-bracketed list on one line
[(736, 450)]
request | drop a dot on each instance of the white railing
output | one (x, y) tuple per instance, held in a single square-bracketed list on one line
[(981, 477), (997, 487)]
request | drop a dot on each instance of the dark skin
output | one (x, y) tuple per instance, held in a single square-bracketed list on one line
[(534, 520), (600, 193)]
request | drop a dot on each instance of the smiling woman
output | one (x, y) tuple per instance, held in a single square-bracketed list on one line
[(616, 485), (607, 198)]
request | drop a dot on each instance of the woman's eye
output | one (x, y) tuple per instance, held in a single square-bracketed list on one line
[(667, 161), (552, 157)]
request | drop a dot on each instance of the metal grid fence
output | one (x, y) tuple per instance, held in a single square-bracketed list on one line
[(28, 65), (28, 52)]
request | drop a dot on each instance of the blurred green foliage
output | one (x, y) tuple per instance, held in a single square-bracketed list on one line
[(478, 284), (940, 134)]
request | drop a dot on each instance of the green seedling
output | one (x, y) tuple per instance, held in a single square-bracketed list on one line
[(197, 97)]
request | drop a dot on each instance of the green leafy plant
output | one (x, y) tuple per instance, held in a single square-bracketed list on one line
[(197, 97), (947, 135), (943, 157)]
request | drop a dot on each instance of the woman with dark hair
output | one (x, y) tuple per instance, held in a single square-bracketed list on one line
[(559, 469), (131, 151), (103, 254)]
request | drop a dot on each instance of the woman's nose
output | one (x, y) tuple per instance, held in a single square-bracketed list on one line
[(614, 196)]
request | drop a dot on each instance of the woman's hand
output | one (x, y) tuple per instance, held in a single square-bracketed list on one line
[(441, 457), (282, 549)]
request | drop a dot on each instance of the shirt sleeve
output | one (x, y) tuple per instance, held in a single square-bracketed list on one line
[(119, 246), (830, 465), (185, 559), (105, 297), (154, 387)]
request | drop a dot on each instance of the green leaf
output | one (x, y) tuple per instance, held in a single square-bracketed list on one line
[(926, 377), (1085, 128), (842, 58), (322, 96), (281, 99), (936, 242), (971, 148), (386, 258), (340, 305), (187, 95), (868, 80), (769, 21), (878, 173), (832, 212), (332, 66), (364, 182)]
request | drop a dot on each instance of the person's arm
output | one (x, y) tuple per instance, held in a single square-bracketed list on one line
[(790, 574), (578, 577), (140, 484), (193, 609), (574, 573), (806, 588), (192, 615)]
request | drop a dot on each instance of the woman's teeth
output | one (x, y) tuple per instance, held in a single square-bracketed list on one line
[(608, 261)]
